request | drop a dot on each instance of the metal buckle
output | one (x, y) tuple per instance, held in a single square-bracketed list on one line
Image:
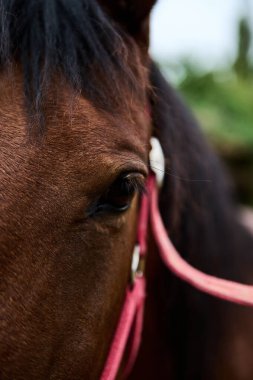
[(138, 264)]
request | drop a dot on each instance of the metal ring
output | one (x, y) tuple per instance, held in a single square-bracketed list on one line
[(137, 266)]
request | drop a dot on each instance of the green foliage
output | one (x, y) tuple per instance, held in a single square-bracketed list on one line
[(223, 107)]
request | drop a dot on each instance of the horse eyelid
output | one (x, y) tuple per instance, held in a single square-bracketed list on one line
[(135, 180), (137, 183)]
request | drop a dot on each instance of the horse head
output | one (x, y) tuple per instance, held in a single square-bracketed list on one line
[(75, 132), (79, 102)]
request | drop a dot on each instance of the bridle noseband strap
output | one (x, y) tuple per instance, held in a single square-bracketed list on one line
[(131, 319)]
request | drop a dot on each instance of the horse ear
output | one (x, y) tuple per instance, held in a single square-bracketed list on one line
[(133, 16)]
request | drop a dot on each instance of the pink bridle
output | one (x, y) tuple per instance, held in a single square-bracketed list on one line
[(131, 318)]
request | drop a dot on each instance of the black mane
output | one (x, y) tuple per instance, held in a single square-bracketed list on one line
[(73, 37), (199, 211)]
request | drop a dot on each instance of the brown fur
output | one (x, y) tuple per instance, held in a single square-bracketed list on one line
[(62, 276)]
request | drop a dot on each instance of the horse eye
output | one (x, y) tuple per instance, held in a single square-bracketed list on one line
[(120, 194)]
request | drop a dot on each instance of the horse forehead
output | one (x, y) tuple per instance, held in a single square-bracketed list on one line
[(71, 122), (97, 130), (126, 127)]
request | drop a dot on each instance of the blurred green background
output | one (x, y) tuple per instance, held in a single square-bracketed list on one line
[(222, 100)]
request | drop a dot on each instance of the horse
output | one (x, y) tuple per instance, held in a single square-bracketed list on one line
[(80, 99)]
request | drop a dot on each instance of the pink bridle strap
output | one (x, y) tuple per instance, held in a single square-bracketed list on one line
[(131, 315), (131, 318), (220, 288)]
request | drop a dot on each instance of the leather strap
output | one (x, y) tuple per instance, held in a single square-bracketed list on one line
[(220, 288), (131, 319)]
